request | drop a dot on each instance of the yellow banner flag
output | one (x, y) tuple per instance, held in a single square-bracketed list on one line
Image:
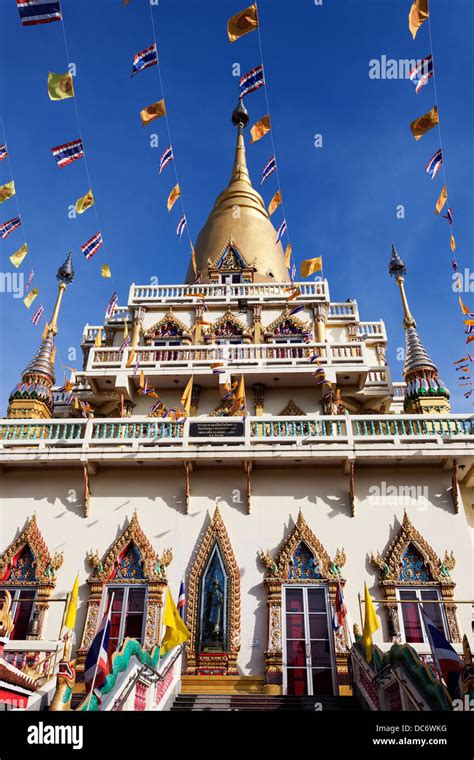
[(288, 252), (242, 23), (418, 14), (443, 197), (31, 297), (308, 266), (465, 309), (17, 257), (173, 197), (98, 338), (60, 86), (176, 631), (187, 395), (260, 128), (424, 123), (452, 243), (105, 271), (193, 259), (275, 202), (82, 204), (6, 191), (150, 113), (70, 619), (130, 358), (371, 624)]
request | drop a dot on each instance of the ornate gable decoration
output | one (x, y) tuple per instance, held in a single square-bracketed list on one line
[(228, 326), (168, 327), (130, 559), (411, 560), (292, 410), (286, 324), (303, 557), (28, 561), (230, 259)]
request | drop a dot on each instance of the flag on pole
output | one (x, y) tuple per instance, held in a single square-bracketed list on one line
[(37, 315), (448, 661), (38, 11), (268, 169), (105, 271), (251, 81), (308, 266), (7, 191), (144, 59), (176, 632), (260, 128), (422, 72), (340, 609), (3, 151), (92, 246), (181, 600), (181, 227), (274, 203), (288, 252), (449, 215), (7, 228), (443, 197), (29, 280), (418, 14), (60, 86), (452, 243), (97, 661), (371, 624), (434, 164), (423, 124), (82, 204), (17, 257), (281, 231), (28, 300), (111, 306), (155, 111), (70, 619), (68, 152), (166, 158), (187, 396), (173, 197), (242, 23)]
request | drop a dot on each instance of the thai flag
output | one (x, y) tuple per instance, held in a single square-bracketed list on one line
[(38, 11), (448, 661), (434, 164), (268, 169), (124, 345), (340, 609), (7, 228), (181, 600), (111, 306), (281, 231), (92, 246), (3, 151), (449, 215), (97, 660), (67, 153), (422, 72), (293, 272), (29, 280), (252, 81), (37, 315), (166, 158), (144, 59), (181, 227)]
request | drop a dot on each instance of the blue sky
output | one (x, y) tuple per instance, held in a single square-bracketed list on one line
[(340, 199)]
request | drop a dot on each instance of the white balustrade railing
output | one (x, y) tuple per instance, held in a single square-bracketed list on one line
[(259, 291)]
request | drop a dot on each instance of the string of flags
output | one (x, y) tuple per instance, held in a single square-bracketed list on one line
[(420, 75)]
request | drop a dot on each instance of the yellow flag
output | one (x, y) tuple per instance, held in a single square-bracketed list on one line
[(417, 16), (142, 379), (105, 271), (6, 191), (45, 331), (17, 257), (308, 266), (150, 113), (70, 619), (82, 204), (30, 297), (239, 396), (260, 128), (443, 197), (173, 197), (130, 358), (193, 259), (288, 252), (186, 397), (452, 243), (371, 624), (242, 23), (274, 203), (125, 330), (465, 309), (176, 632), (424, 123), (60, 86), (98, 338)]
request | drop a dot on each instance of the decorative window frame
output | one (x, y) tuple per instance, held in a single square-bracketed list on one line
[(45, 569), (210, 663), (243, 332), (390, 563), (278, 572), (273, 330), (231, 260), (154, 577), (184, 331), (291, 410)]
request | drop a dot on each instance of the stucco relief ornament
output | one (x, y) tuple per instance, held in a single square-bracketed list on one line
[(267, 560), (338, 562), (447, 564), (162, 561)]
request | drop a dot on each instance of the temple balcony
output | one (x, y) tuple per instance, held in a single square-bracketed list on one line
[(436, 439)]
